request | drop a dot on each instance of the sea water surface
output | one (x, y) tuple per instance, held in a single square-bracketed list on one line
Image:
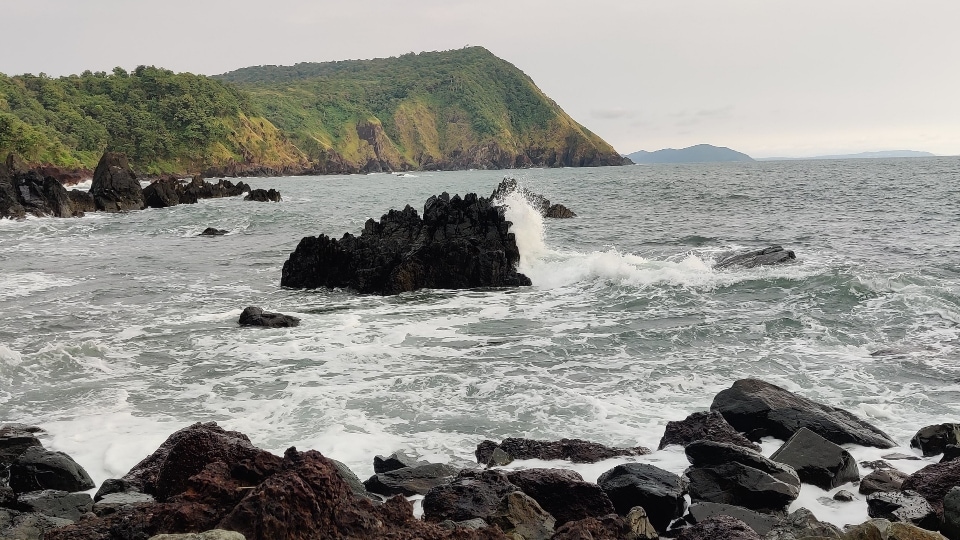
[(118, 329)]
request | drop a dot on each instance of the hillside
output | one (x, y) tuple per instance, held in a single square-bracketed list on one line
[(884, 154), (701, 153), (436, 110)]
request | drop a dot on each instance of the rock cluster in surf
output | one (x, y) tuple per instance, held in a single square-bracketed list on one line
[(508, 186)]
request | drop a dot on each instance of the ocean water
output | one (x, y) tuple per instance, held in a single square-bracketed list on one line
[(119, 329)]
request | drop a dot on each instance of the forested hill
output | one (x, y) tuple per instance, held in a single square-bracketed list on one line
[(433, 110)]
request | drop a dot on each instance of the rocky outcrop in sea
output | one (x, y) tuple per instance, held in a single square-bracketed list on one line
[(508, 186)]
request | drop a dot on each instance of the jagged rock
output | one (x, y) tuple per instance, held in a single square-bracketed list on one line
[(254, 316), (951, 514), (759, 522), (730, 474), (717, 527), (459, 244), (470, 495), (882, 529), (115, 187), (112, 502), (760, 257), (508, 186), (14, 441), (263, 195), (639, 523), (802, 524), (563, 493), (934, 481), (759, 409), (198, 188), (657, 491), (215, 534), (163, 193), (559, 211), (950, 453), (817, 460), (353, 481), (38, 469), (933, 440), (843, 496), (703, 426), (499, 458), (115, 485), (210, 231), (394, 461), (882, 480), (519, 514), (411, 480), (903, 506), (10, 206), (575, 450), (609, 527), (81, 202), (58, 504)]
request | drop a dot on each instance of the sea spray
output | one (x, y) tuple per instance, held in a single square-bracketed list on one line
[(527, 228)]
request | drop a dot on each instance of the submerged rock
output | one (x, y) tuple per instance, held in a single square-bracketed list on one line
[(760, 257), (210, 231), (575, 450), (254, 316)]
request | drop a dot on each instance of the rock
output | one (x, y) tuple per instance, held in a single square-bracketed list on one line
[(951, 514), (950, 453), (394, 461), (563, 493), (817, 460), (559, 211), (115, 485), (58, 504), (8, 498), (882, 529), (10, 206), (760, 257), (657, 491), (81, 202), (703, 426), (518, 514), (759, 522), (508, 186), (163, 193), (934, 481), (112, 502), (717, 527), (356, 486), (254, 316), (411, 480), (609, 527), (262, 195), (27, 526), (730, 474), (575, 450), (470, 495), (878, 465), (639, 523), (470, 524), (843, 496), (216, 534), (14, 441), (899, 456), (459, 244), (115, 187), (210, 231), (499, 458), (802, 524), (903, 506), (881, 481), (933, 440), (38, 469), (759, 409)]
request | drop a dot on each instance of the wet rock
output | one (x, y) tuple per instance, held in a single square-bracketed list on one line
[(115, 485), (882, 481), (950, 453), (411, 480), (575, 450), (16, 525), (559, 211), (163, 193), (499, 458), (81, 202), (882, 529), (459, 244), (263, 195), (394, 461), (933, 440), (726, 527), (703, 426), (58, 504), (518, 514), (254, 316), (609, 527), (38, 469), (8, 498), (951, 514), (472, 494), (198, 188), (112, 502), (761, 409), (210, 231), (10, 206), (878, 465), (352, 480), (934, 481), (216, 534), (817, 460), (761, 523), (898, 456), (657, 491), (470, 524), (802, 524), (730, 474), (14, 441), (508, 186), (115, 187), (760, 257), (903, 506), (563, 493), (843, 496)]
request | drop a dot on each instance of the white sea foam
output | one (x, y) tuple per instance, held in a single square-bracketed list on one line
[(9, 356)]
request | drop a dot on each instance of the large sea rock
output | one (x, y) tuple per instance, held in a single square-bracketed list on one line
[(659, 492), (115, 186), (817, 460), (459, 243)]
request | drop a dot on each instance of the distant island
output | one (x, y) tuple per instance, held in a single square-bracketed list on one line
[(701, 153), (861, 155)]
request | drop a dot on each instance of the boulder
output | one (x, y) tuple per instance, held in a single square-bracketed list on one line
[(14, 441), (933, 440), (934, 481), (38, 469), (471, 495), (41, 196), (761, 523), (817, 460), (882, 529), (8, 499), (730, 474), (575, 450), (210, 231), (703, 426), (657, 491), (81, 202), (115, 187), (905, 507), (115, 485), (163, 193), (609, 527), (559, 211), (761, 409), (263, 195), (950, 453), (394, 461), (725, 527), (254, 316), (518, 514), (58, 504), (802, 524), (459, 244), (760, 257), (844, 496), (951, 514), (881, 481), (411, 480), (113, 502), (563, 493)]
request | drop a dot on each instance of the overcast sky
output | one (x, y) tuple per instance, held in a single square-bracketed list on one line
[(766, 77)]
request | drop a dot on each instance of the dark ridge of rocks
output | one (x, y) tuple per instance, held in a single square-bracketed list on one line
[(657, 491), (933, 440), (905, 507), (575, 450), (115, 186), (758, 409), (459, 244), (263, 195), (703, 426), (563, 493), (254, 316), (508, 186), (817, 460), (760, 257), (26, 192)]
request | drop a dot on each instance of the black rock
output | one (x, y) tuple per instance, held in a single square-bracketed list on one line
[(703, 426), (38, 469), (882, 480), (472, 494), (659, 492), (14, 441), (559, 211), (759, 522), (760, 257), (254, 316), (263, 195), (163, 193), (114, 485), (717, 527), (933, 440), (115, 187), (58, 504), (210, 231), (356, 486), (411, 480), (843, 496), (730, 474), (903, 506), (817, 460), (951, 514), (508, 186), (899, 456), (563, 493), (8, 498), (950, 453), (10, 206), (394, 461), (759, 409), (575, 450)]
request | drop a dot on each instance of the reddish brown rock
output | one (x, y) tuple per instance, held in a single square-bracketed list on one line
[(703, 426), (726, 527), (563, 493), (575, 450), (609, 527), (933, 482)]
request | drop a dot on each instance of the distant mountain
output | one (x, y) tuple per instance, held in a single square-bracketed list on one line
[(861, 155), (701, 153)]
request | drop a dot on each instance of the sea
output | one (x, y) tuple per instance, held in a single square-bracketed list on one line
[(119, 329)]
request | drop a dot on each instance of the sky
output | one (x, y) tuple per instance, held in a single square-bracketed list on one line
[(766, 77)]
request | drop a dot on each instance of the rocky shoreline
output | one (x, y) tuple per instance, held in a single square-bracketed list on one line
[(206, 478)]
